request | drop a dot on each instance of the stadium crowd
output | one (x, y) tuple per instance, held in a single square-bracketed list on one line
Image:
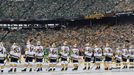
[(115, 35), (49, 9)]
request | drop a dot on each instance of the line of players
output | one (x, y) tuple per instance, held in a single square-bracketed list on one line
[(64, 55)]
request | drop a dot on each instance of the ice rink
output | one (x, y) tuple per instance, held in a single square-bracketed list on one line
[(70, 72)]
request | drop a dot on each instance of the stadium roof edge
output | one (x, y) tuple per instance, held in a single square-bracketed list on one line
[(108, 14)]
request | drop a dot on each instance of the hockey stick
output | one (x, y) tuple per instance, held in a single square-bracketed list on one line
[(93, 65)]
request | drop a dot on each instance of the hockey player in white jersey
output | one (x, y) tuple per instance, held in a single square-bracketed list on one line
[(53, 57), (124, 56), (98, 56), (2, 57), (14, 56), (64, 54), (39, 56), (108, 54), (29, 56), (75, 56), (131, 56), (118, 57), (88, 54)]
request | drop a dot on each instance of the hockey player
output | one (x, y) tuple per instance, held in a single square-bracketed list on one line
[(98, 56), (88, 53), (131, 56), (108, 53), (15, 55), (64, 54), (118, 57), (39, 56), (75, 57), (2, 57), (124, 56), (52, 57), (29, 56)]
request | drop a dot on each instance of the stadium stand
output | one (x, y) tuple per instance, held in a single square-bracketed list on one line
[(113, 34), (53, 9), (58, 9)]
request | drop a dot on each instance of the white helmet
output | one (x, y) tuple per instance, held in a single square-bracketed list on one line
[(118, 48), (53, 45), (14, 44), (38, 43), (95, 46), (65, 43), (28, 42), (75, 45), (107, 45), (124, 46), (87, 44), (1, 44), (131, 46)]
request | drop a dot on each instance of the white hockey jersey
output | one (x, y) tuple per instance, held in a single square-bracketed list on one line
[(53, 53), (88, 51), (97, 52), (131, 53), (108, 51), (15, 52), (39, 52), (75, 54), (64, 51), (31, 51), (125, 52), (118, 54), (2, 53)]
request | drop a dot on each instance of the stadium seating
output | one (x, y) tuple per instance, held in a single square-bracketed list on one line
[(51, 9), (99, 34)]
